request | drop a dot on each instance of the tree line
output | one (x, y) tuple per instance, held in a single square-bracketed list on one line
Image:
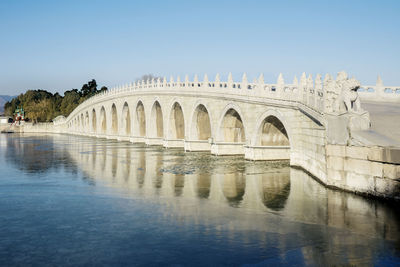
[(43, 106)]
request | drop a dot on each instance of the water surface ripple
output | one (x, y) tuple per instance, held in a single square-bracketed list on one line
[(72, 201)]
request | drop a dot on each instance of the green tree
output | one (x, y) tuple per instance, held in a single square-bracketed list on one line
[(43, 106)]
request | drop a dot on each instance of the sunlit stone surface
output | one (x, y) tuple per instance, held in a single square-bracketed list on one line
[(78, 200)]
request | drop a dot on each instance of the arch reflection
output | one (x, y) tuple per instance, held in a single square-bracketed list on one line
[(141, 168), (275, 188), (234, 186), (255, 186), (203, 185)]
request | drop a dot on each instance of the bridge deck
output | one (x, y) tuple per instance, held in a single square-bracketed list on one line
[(385, 124)]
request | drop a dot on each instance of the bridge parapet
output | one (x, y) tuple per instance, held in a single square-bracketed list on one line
[(376, 93), (320, 99), (308, 93)]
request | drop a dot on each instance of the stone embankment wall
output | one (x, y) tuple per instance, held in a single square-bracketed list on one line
[(4, 127), (366, 170), (35, 128)]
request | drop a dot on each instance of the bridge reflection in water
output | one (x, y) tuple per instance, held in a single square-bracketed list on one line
[(258, 186), (269, 197)]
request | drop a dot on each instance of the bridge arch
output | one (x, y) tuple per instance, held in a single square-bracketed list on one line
[(82, 126), (176, 122), (87, 121), (103, 120), (200, 127), (272, 129), (94, 121), (156, 121), (114, 119), (126, 120), (231, 127), (140, 129)]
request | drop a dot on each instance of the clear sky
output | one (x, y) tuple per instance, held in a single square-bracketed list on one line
[(59, 45)]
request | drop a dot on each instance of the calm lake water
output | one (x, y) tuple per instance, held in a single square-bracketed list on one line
[(68, 200)]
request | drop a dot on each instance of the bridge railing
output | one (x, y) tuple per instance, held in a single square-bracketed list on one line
[(380, 93), (305, 92), (313, 94)]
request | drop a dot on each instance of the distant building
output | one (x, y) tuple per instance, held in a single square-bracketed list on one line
[(19, 114)]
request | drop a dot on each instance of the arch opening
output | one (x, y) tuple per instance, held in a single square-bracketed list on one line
[(114, 119), (157, 120), (126, 117), (272, 132), (82, 122), (201, 120), (232, 129), (177, 122), (94, 121), (103, 120), (141, 119), (87, 121)]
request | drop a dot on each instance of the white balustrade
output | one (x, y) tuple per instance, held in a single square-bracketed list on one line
[(305, 93)]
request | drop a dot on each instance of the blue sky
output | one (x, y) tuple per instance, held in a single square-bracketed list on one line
[(59, 45)]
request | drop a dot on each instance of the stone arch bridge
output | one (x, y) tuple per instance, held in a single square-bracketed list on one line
[(302, 121)]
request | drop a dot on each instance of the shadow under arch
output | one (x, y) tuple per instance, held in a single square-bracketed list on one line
[(231, 128), (82, 122), (114, 119), (140, 119), (126, 119), (271, 139), (272, 132), (94, 121), (272, 122), (87, 121), (103, 120), (156, 121), (201, 124), (176, 122)]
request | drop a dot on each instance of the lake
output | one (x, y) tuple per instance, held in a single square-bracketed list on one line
[(71, 201)]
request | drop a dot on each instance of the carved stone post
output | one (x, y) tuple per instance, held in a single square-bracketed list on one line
[(280, 84), (318, 94), (310, 91), (303, 88), (245, 82), (380, 88)]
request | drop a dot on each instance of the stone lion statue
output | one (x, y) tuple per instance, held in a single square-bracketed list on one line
[(341, 95), (350, 96)]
